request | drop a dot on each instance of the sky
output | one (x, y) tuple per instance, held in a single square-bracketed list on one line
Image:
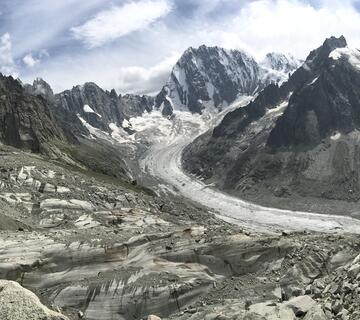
[(132, 45)]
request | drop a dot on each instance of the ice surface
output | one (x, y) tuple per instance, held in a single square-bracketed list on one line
[(163, 162)]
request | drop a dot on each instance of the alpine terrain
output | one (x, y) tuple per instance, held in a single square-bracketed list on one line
[(231, 194), (294, 142)]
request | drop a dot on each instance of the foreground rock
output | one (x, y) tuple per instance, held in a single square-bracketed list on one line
[(100, 249), (302, 307), (18, 303)]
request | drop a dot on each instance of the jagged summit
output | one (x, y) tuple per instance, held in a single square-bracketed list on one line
[(99, 107), (320, 55), (328, 104), (213, 77)]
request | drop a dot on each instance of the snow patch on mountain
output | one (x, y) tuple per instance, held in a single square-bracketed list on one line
[(352, 55), (88, 109), (120, 135), (94, 132)]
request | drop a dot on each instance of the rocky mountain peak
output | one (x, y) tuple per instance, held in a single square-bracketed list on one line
[(333, 43), (328, 103), (40, 87), (281, 62), (213, 77), (319, 56)]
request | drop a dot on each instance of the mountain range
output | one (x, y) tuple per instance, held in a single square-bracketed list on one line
[(299, 139), (107, 200), (207, 77)]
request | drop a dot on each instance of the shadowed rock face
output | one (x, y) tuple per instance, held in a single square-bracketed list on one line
[(69, 122), (99, 107), (210, 77), (330, 104), (25, 120), (297, 139)]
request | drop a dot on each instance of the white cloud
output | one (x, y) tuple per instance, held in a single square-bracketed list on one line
[(53, 21), (287, 25), (140, 62), (145, 80), (116, 22), (107, 71), (30, 61), (7, 64)]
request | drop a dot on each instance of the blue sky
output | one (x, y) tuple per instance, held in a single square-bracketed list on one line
[(131, 45)]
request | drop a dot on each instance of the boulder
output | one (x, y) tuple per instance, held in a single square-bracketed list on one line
[(301, 305), (315, 313), (18, 303), (354, 270)]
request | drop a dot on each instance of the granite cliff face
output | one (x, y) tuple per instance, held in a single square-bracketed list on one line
[(66, 119), (296, 139), (26, 120), (212, 77)]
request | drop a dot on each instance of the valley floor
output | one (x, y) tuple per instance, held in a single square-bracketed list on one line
[(163, 163), (92, 247)]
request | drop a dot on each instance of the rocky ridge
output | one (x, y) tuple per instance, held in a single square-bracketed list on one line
[(296, 140), (26, 121), (101, 108)]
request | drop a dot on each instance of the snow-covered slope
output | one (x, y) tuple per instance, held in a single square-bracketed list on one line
[(278, 66), (212, 77)]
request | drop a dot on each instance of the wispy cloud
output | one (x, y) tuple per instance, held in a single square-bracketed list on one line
[(30, 61), (109, 73), (143, 80), (7, 64), (132, 40), (117, 22)]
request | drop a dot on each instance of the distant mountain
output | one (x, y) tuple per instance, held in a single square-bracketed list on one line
[(301, 138), (212, 77), (285, 63), (99, 107), (278, 67)]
